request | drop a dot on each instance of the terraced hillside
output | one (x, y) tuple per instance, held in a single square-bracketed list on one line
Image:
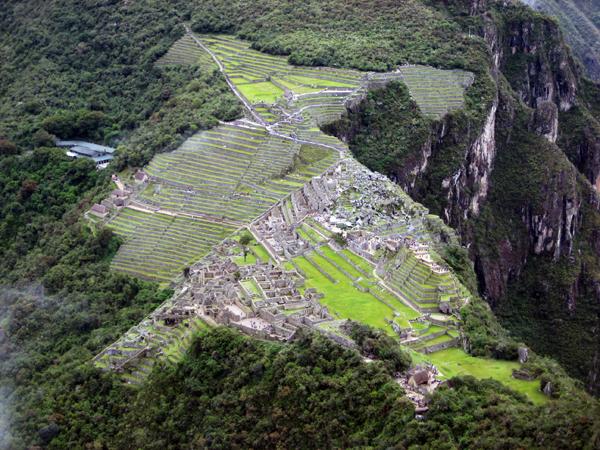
[(320, 94), (436, 91), (215, 182), (237, 171), (257, 71), (264, 179), (390, 276), (161, 245), (185, 52)]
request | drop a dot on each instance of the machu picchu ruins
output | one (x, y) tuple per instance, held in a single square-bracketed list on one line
[(294, 193)]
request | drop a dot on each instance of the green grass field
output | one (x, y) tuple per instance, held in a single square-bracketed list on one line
[(364, 265), (454, 361), (261, 252), (304, 235), (328, 251), (250, 259), (261, 92), (249, 285), (343, 297)]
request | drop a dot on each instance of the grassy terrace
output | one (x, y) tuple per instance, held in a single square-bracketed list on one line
[(206, 175), (250, 259), (261, 252), (343, 297), (261, 92), (158, 246), (454, 361), (435, 91), (186, 51), (320, 78), (333, 256), (362, 263)]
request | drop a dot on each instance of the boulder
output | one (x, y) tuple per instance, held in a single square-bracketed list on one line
[(523, 354), (548, 389), (445, 307)]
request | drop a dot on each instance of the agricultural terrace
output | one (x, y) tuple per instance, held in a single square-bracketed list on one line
[(455, 361), (158, 246), (186, 52), (231, 173), (436, 91), (341, 296), (170, 342)]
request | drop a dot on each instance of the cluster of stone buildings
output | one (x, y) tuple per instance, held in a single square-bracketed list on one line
[(118, 197)]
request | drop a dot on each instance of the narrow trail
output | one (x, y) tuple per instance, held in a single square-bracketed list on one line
[(153, 210), (232, 86)]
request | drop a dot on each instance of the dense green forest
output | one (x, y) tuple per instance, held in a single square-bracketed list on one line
[(84, 69), (232, 391)]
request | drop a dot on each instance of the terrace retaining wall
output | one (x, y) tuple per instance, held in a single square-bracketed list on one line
[(441, 346), (346, 342)]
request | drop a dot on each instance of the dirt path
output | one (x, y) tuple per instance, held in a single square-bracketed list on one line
[(120, 184), (141, 207)]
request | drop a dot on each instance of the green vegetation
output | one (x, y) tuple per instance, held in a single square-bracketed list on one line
[(261, 252), (580, 21), (454, 361), (183, 241), (311, 154), (406, 32), (318, 81), (186, 52), (261, 92), (95, 61), (342, 297), (94, 70), (59, 303), (375, 342), (227, 384)]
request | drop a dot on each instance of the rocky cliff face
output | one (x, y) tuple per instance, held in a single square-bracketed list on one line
[(532, 241), (580, 20)]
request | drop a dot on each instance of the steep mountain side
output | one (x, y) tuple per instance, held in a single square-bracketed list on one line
[(580, 19), (524, 204)]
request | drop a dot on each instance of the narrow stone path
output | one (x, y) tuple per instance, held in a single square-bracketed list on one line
[(148, 209)]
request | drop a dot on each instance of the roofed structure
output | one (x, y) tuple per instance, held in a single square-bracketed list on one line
[(419, 378), (140, 177), (100, 154), (88, 145), (99, 210), (118, 193)]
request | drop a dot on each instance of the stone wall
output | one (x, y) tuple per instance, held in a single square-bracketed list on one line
[(335, 265), (437, 347), (269, 317), (316, 266), (357, 267), (346, 342), (363, 254), (374, 294), (252, 331)]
